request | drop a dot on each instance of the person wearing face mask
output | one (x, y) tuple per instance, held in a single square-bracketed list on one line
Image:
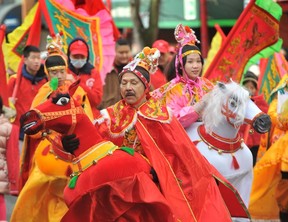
[(80, 67)]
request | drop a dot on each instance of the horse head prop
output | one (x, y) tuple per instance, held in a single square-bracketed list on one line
[(227, 107), (61, 113)]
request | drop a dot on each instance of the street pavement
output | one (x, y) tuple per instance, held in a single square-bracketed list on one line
[(10, 202)]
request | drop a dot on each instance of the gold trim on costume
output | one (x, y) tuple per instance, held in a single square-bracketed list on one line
[(56, 68), (189, 52), (92, 156)]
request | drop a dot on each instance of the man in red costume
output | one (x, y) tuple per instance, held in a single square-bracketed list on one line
[(191, 187)]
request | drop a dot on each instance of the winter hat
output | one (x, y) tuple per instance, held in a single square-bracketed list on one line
[(79, 48), (161, 45), (250, 76), (55, 62)]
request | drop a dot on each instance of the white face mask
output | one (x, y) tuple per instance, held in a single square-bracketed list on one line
[(78, 63)]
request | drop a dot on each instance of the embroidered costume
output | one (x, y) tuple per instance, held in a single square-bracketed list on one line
[(269, 189), (182, 92), (181, 175)]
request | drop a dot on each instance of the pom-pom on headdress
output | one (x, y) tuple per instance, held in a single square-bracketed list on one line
[(54, 44), (184, 35), (147, 59)]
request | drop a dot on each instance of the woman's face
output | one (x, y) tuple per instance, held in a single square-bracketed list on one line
[(193, 65)]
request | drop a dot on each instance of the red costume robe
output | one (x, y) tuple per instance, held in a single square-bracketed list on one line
[(193, 189)]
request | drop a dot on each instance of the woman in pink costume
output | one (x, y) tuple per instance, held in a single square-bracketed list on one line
[(183, 92)]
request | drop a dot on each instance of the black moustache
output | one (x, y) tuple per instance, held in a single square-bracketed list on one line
[(129, 94)]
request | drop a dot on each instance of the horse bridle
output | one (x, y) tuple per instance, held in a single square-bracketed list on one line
[(73, 111), (228, 113)]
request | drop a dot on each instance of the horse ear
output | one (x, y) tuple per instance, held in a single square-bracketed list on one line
[(73, 87), (221, 85)]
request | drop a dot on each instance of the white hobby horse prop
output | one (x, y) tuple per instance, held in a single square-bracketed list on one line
[(227, 107)]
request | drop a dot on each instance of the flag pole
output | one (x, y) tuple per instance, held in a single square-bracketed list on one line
[(3, 77)]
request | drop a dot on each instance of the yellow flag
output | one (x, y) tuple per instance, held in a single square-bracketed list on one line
[(17, 41), (215, 46)]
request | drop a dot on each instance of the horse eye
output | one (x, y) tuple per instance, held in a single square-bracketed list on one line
[(233, 103), (62, 101)]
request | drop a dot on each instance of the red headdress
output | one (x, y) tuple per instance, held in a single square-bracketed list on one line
[(147, 59)]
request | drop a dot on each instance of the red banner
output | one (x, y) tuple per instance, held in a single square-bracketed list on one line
[(255, 30)]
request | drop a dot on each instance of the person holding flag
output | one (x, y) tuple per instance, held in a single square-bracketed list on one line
[(31, 79)]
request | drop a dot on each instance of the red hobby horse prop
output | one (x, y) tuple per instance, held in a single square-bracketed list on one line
[(99, 170)]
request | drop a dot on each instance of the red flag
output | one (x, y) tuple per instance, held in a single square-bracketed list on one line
[(255, 30), (3, 75), (33, 39)]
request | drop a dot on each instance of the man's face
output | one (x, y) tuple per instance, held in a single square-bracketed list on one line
[(132, 88), (164, 59), (60, 74), (33, 62), (123, 54)]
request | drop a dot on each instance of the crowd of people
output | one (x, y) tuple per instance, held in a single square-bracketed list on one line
[(150, 170)]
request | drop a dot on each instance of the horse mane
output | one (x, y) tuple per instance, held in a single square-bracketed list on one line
[(212, 115)]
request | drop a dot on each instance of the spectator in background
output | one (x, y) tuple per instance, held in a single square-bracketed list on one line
[(158, 78), (31, 79), (9, 160), (172, 52), (111, 89), (250, 82), (81, 68)]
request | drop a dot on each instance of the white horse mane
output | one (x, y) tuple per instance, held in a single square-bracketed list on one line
[(212, 115)]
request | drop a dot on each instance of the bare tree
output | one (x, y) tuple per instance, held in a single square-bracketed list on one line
[(145, 35)]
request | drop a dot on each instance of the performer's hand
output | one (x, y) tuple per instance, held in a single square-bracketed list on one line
[(70, 143), (200, 105)]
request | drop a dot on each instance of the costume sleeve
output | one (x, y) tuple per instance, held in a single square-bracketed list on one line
[(11, 85), (93, 86), (185, 113), (187, 116), (182, 110)]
